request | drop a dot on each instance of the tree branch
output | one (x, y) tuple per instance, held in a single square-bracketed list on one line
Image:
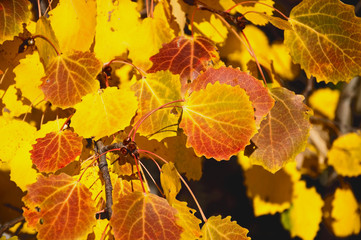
[(11, 223)]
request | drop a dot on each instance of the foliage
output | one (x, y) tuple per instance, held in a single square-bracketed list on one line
[(93, 89)]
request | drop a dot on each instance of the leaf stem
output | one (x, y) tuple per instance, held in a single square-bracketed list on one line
[(151, 177), (7, 225), (103, 234), (138, 170), (47, 39), (184, 182), (66, 121)]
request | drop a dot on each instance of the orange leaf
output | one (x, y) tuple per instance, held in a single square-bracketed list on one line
[(218, 228), (284, 133), (13, 14), (59, 207), (258, 95), (218, 121), (144, 216), (56, 150), (184, 56), (325, 40), (70, 77)]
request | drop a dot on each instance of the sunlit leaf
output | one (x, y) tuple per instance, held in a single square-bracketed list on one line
[(74, 24), (213, 29), (184, 56), (325, 101), (56, 150), (13, 13), (152, 92), (218, 228), (283, 134), (275, 21), (345, 155), (117, 22), (305, 215), (144, 216), (46, 51), (13, 105), (59, 207), (218, 121), (325, 40), (28, 74), (346, 213), (258, 94), (170, 181), (70, 77), (111, 109), (187, 220)]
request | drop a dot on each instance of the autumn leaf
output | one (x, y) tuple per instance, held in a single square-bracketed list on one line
[(70, 77), (185, 56), (325, 40), (111, 109), (303, 218), (13, 14), (325, 101), (213, 29), (283, 134), (144, 216), (170, 181), (56, 150), (218, 228), (218, 121), (258, 94), (345, 213), (345, 155), (74, 23), (13, 105), (59, 207)]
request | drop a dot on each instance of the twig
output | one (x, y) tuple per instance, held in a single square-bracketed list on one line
[(11, 223)]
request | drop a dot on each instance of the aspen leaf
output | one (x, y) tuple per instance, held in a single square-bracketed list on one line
[(184, 56), (325, 40), (56, 150), (74, 24), (258, 95), (66, 208), (13, 13), (28, 74), (325, 101), (144, 216), (218, 228), (218, 121), (117, 22), (187, 220), (345, 155), (170, 181), (283, 134), (213, 29), (13, 106), (70, 77), (152, 92), (105, 112), (276, 21), (46, 51), (145, 43), (346, 213), (305, 214)]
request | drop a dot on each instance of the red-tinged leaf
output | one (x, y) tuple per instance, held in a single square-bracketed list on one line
[(325, 39), (283, 134), (218, 228), (70, 77), (184, 56), (13, 13), (144, 216), (56, 150), (59, 207), (218, 121), (258, 94)]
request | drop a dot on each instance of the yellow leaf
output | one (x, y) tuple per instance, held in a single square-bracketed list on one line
[(105, 112), (123, 73), (345, 155), (325, 101), (100, 227), (282, 61), (213, 29), (117, 21), (13, 106), (50, 126), (346, 213), (305, 215), (28, 74), (74, 24), (262, 207), (170, 181)]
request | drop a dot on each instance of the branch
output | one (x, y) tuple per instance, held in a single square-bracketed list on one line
[(11, 223)]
